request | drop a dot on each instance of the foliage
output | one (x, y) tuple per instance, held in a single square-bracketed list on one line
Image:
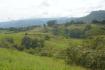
[(51, 23), (90, 55), (27, 42)]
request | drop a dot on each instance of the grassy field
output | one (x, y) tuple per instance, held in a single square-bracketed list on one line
[(54, 42), (15, 60)]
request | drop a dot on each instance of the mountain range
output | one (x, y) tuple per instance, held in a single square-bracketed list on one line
[(95, 15)]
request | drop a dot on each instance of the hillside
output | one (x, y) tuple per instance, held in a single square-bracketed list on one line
[(15, 60), (95, 15), (50, 49)]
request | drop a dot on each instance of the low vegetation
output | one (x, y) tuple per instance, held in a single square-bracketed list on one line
[(15, 60)]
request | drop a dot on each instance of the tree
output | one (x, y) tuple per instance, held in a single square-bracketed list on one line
[(95, 21), (46, 37), (76, 33), (87, 30), (51, 23), (103, 22), (66, 32), (45, 28), (55, 30), (26, 41), (37, 43), (32, 43)]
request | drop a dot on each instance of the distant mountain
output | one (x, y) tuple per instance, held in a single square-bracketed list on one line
[(22, 23), (31, 22), (95, 15)]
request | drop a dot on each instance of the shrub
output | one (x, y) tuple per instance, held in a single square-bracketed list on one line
[(26, 41), (9, 40), (47, 37), (37, 43), (91, 55)]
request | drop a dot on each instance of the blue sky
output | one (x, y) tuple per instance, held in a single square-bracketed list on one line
[(22, 9)]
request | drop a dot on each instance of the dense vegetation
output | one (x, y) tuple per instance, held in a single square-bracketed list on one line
[(91, 54)]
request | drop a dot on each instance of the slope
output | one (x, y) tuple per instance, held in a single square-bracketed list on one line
[(15, 60)]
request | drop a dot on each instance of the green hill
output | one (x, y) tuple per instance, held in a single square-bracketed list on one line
[(94, 15)]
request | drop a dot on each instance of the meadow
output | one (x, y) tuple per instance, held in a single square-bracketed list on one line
[(15, 60)]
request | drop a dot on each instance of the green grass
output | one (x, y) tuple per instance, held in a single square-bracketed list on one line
[(54, 42), (59, 43), (15, 60), (15, 36)]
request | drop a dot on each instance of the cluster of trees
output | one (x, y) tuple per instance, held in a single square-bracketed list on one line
[(52, 23), (27, 42), (85, 32), (20, 29), (91, 54), (75, 32), (57, 29), (54, 27), (36, 46), (98, 22), (74, 22)]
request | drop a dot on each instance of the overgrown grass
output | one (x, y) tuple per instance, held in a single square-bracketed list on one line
[(14, 60)]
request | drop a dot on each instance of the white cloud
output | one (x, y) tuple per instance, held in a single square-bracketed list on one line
[(20, 9)]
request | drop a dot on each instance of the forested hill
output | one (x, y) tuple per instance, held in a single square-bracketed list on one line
[(95, 15)]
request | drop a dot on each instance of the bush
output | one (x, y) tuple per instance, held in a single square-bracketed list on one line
[(20, 48), (91, 55), (37, 43), (26, 41), (73, 55), (47, 37), (32, 43), (8, 40)]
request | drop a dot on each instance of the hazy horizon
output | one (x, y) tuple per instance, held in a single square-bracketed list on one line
[(24, 9)]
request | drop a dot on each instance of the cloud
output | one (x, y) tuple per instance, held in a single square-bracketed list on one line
[(21, 9), (44, 4)]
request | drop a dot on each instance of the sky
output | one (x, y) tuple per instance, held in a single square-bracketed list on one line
[(23, 9)]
